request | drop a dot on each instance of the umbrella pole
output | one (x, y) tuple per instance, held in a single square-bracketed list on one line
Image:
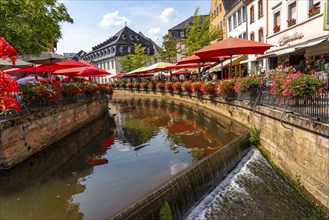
[(231, 64), (199, 71), (222, 70), (170, 75)]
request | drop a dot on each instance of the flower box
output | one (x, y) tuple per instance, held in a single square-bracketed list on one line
[(291, 22), (313, 11), (276, 28)]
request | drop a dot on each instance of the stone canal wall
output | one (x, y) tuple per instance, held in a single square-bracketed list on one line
[(299, 147), (23, 137)]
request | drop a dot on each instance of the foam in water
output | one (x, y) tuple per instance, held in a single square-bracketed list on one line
[(228, 183)]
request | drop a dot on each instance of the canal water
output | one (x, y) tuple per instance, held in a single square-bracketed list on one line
[(117, 159)]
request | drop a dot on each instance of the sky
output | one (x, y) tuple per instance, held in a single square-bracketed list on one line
[(97, 20)]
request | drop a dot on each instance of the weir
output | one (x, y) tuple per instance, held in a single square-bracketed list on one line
[(186, 189)]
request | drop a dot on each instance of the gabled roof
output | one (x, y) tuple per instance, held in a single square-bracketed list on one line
[(187, 23), (125, 36), (229, 4)]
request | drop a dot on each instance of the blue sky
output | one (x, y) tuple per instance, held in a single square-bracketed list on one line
[(96, 20)]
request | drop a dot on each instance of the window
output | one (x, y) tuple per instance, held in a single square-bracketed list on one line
[(129, 50), (220, 7), (244, 35), (252, 14), (239, 17), (229, 23), (234, 20), (277, 19), (240, 36), (252, 36), (121, 49), (148, 50), (292, 13), (313, 3), (112, 64), (182, 34), (244, 13), (261, 35), (260, 9), (123, 37)]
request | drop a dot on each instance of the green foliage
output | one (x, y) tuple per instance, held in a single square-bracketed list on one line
[(254, 138), (199, 36), (31, 27), (144, 129), (136, 60), (168, 50), (165, 212)]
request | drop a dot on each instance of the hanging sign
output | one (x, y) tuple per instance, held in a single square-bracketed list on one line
[(286, 39)]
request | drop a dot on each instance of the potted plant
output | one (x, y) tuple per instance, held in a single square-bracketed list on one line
[(143, 85), (136, 85), (176, 86), (151, 85), (226, 89), (186, 86), (90, 88), (297, 85), (248, 87), (71, 90), (313, 11), (160, 86), (168, 86), (291, 22), (195, 87), (207, 88), (129, 85), (276, 28)]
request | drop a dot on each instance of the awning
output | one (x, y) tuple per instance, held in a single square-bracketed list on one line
[(310, 44), (235, 61), (310, 49)]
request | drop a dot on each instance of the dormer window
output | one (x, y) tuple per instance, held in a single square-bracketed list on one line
[(124, 37), (131, 37), (137, 38)]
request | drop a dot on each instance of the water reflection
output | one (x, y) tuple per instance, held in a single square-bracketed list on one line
[(112, 162)]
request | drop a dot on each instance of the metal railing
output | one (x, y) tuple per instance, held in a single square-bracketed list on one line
[(311, 106), (28, 109)]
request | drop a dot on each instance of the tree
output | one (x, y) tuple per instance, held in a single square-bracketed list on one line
[(168, 50), (136, 60), (32, 26), (198, 35)]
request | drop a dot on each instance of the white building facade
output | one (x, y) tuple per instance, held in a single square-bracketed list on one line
[(257, 29), (299, 29)]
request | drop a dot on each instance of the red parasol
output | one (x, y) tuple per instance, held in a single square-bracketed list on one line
[(87, 71), (232, 46)]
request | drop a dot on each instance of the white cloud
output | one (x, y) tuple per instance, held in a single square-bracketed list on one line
[(168, 14), (113, 19), (177, 167), (154, 33)]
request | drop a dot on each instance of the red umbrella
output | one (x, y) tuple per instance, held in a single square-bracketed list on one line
[(232, 46), (87, 71), (181, 66), (196, 59), (49, 67)]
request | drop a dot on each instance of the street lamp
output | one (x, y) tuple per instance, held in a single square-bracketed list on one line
[(221, 72)]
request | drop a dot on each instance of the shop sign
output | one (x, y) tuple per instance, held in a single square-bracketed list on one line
[(286, 39)]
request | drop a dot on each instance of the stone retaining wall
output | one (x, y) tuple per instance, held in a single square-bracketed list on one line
[(298, 146), (25, 136)]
